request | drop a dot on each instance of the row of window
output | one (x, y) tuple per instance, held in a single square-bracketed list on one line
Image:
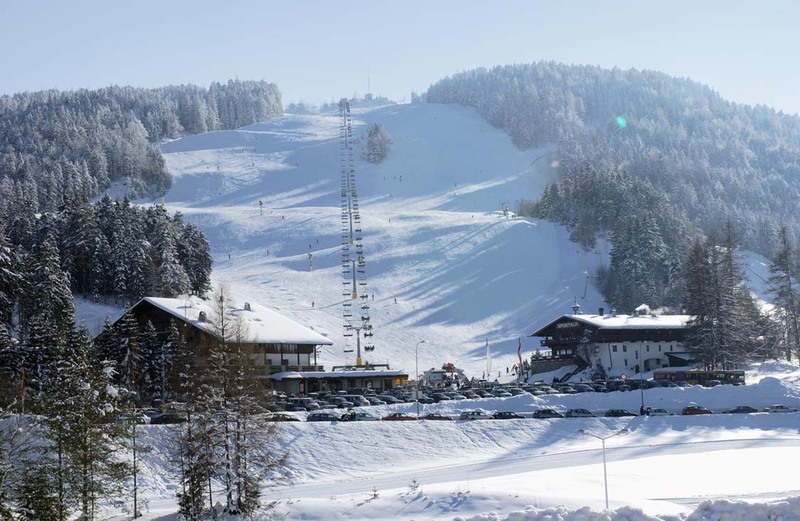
[(625, 349)]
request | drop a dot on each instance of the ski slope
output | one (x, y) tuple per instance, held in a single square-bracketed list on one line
[(444, 264)]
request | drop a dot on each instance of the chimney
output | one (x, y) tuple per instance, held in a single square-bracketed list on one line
[(600, 311), (247, 306), (202, 316)]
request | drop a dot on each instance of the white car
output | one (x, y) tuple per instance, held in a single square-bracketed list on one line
[(780, 408), (475, 415), (658, 412)]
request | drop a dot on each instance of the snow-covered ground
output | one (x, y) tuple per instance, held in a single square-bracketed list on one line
[(446, 266)]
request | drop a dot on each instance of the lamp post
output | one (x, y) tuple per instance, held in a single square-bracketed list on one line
[(641, 378), (416, 370), (603, 441)]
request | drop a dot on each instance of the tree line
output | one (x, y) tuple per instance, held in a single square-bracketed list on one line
[(60, 147)]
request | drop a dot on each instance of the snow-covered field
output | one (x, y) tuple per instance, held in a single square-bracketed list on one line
[(446, 266)]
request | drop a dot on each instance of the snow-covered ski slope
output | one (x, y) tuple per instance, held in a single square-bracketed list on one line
[(444, 263)]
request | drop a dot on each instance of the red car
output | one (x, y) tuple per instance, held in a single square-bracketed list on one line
[(696, 409), (399, 416)]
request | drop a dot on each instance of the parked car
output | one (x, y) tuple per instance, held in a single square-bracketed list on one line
[(388, 398), (435, 416), (579, 413), (696, 409), (658, 412), (282, 417), (501, 393), (340, 402), (619, 413), (506, 415), (357, 400), (477, 414), (374, 400), (399, 416), (779, 407), (365, 417), (741, 409), (546, 413), (323, 416)]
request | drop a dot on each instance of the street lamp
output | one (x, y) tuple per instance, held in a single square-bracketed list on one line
[(416, 369), (603, 439), (641, 379)]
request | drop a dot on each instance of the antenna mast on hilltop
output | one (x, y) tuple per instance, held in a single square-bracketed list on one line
[(353, 262)]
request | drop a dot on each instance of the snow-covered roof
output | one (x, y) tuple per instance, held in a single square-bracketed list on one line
[(634, 321), (353, 373), (262, 325), (614, 321)]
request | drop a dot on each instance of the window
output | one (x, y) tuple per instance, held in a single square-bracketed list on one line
[(614, 348), (624, 349), (648, 348), (636, 355), (626, 362), (659, 348)]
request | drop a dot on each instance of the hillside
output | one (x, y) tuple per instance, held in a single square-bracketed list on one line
[(435, 236)]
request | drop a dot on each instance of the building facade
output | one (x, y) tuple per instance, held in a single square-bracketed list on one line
[(621, 344)]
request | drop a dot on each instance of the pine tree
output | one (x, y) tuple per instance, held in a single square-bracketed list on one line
[(782, 276), (10, 281), (378, 142), (46, 297), (194, 254)]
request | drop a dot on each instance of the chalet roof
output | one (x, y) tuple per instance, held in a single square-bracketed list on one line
[(353, 373), (263, 325), (645, 321)]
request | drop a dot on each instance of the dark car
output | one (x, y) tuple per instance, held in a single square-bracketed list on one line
[(619, 413), (547, 413), (434, 416), (322, 416), (506, 415), (399, 416), (696, 409), (741, 409), (579, 413)]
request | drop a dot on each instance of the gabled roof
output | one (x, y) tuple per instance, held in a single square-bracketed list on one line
[(621, 322), (262, 325)]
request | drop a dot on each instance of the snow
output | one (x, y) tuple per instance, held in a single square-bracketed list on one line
[(261, 325), (446, 266)]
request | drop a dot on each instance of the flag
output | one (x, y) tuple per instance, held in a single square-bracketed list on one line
[(519, 354)]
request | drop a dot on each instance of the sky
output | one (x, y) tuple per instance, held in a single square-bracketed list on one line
[(322, 50)]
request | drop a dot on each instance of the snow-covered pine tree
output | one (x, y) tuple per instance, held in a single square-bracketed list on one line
[(786, 293), (10, 281), (378, 142), (46, 294), (194, 254)]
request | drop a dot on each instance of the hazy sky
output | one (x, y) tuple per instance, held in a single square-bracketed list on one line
[(320, 50)]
